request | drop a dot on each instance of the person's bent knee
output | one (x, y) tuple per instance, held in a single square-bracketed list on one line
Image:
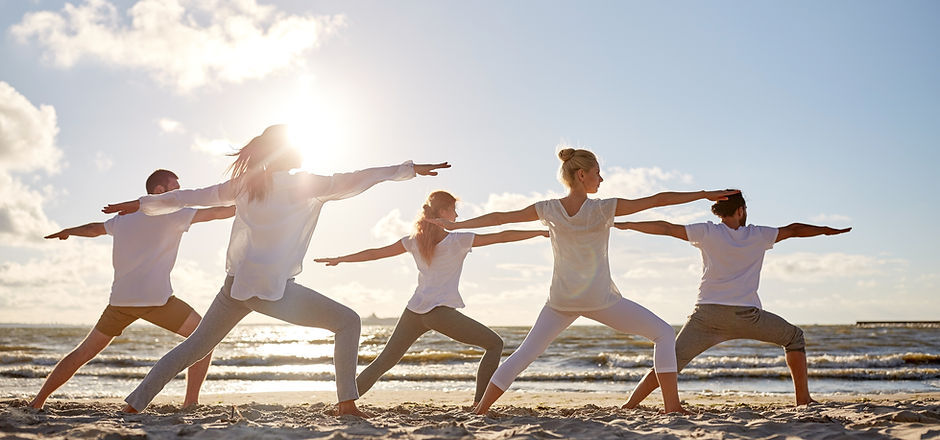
[(797, 343), (665, 334), (494, 344)]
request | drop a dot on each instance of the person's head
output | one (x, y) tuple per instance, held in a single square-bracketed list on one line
[(440, 204), (579, 169), (264, 155), (733, 209), (161, 181)]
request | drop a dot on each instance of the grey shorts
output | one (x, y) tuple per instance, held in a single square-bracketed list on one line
[(712, 324)]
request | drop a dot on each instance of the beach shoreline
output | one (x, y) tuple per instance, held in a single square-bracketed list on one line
[(445, 415)]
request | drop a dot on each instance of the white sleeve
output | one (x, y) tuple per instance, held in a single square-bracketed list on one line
[(609, 211), (222, 194), (540, 210), (770, 236), (345, 185), (110, 224), (696, 233)]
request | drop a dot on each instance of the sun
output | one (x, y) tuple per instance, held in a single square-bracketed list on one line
[(316, 127)]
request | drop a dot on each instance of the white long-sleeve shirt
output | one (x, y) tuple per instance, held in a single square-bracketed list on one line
[(270, 236)]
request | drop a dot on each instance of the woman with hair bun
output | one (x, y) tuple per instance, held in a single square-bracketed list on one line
[(581, 283), (276, 213), (439, 256)]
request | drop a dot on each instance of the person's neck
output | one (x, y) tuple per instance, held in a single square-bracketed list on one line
[(732, 223), (576, 195)]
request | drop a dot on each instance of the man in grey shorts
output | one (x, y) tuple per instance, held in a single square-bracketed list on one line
[(728, 306), (143, 254)]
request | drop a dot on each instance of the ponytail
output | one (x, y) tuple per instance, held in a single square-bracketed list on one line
[(426, 234)]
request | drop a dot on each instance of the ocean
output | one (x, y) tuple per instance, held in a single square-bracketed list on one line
[(254, 358)]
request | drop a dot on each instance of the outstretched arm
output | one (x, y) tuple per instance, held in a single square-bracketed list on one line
[(506, 237), (89, 230), (367, 255), (491, 219), (627, 206), (345, 185), (804, 230), (209, 214), (222, 194), (655, 228)]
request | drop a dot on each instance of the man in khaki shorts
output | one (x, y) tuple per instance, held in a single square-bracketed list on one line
[(728, 306), (143, 255)]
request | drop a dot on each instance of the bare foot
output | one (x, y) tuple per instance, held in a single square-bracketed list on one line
[(627, 406), (189, 406), (129, 409), (348, 408), (679, 410), (35, 404), (811, 401)]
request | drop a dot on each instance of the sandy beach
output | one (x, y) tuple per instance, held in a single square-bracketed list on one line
[(442, 415)]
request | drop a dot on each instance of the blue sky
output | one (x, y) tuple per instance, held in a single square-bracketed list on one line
[(821, 112)]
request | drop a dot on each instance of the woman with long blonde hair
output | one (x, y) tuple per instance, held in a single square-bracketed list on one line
[(439, 256), (276, 213), (581, 282)]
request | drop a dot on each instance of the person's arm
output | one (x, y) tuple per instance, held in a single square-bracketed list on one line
[(655, 228), (506, 237), (89, 230), (209, 214), (804, 230), (492, 219), (627, 206), (345, 185), (222, 194), (367, 255)]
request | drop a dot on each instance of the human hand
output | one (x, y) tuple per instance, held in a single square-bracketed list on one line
[(428, 169), (122, 208), (716, 196), (61, 235), (328, 261)]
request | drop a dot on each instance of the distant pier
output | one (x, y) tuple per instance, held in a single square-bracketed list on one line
[(897, 324)]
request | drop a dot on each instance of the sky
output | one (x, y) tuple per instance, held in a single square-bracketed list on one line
[(821, 112)]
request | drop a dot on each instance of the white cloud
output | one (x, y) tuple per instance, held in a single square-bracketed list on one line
[(213, 147), (27, 140), (391, 227), (103, 162), (831, 219), (640, 182), (27, 144), (184, 44), (168, 125), (810, 267)]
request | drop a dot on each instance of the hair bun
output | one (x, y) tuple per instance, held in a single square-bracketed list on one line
[(565, 154)]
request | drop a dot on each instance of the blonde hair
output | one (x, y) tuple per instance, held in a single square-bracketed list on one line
[(573, 160), (426, 234), (250, 167)]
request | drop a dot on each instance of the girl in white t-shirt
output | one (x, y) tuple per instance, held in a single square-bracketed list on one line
[(277, 212), (581, 283), (439, 256)]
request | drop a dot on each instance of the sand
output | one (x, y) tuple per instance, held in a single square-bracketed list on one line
[(518, 415)]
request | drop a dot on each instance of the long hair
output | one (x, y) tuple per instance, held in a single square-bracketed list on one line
[(250, 168), (426, 234), (573, 160)]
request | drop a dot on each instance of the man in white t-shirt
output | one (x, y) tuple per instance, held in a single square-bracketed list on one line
[(143, 254), (728, 306)]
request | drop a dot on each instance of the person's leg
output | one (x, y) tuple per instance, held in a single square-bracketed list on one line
[(221, 317), (303, 306), (93, 343), (629, 317), (178, 317), (461, 328), (196, 374), (407, 331), (768, 327), (694, 338), (547, 327)]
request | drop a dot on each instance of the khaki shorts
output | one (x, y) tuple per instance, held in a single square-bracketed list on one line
[(170, 316)]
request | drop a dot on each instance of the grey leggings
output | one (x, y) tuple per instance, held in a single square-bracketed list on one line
[(712, 324), (299, 305), (444, 320)]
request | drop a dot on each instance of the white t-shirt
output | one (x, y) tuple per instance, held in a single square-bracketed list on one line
[(437, 282), (270, 236), (143, 255), (581, 276), (732, 260)]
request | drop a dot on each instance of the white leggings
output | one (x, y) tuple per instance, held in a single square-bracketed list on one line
[(624, 316)]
